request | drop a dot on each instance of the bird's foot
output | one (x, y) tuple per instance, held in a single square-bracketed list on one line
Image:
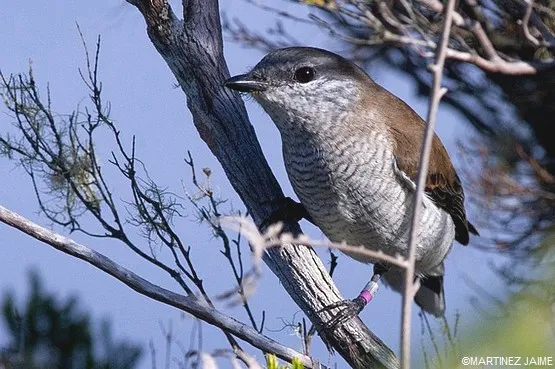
[(350, 308), (288, 210)]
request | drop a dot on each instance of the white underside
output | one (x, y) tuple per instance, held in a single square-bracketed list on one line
[(346, 175), (365, 199)]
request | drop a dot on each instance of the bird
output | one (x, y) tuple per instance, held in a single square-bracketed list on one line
[(351, 150)]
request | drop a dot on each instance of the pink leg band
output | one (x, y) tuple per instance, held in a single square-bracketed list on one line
[(366, 295)]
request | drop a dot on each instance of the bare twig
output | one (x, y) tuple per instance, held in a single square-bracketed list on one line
[(273, 237), (437, 92), (437, 6), (496, 66), (189, 304), (206, 214), (485, 42), (526, 22)]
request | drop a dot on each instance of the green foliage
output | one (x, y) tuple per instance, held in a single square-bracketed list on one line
[(522, 330), (273, 363), (525, 331), (48, 333)]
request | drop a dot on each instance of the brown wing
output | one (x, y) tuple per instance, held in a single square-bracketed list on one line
[(443, 185)]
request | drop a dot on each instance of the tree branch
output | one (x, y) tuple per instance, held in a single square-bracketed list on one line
[(498, 65), (436, 93), (526, 21), (193, 50), (189, 304)]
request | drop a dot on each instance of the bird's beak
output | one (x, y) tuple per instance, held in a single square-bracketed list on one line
[(245, 83)]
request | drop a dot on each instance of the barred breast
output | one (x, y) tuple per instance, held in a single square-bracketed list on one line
[(351, 187)]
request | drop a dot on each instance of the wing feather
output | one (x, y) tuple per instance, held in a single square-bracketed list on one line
[(443, 185)]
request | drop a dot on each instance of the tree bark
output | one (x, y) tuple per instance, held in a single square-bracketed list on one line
[(193, 49)]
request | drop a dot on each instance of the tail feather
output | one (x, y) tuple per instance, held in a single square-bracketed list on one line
[(472, 229), (430, 296)]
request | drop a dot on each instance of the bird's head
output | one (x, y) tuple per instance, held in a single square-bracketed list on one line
[(302, 85)]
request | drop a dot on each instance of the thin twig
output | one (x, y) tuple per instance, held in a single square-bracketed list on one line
[(438, 7), (189, 304), (526, 21), (435, 96), (485, 42), (273, 238)]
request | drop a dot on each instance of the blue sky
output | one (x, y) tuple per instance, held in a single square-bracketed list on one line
[(146, 103)]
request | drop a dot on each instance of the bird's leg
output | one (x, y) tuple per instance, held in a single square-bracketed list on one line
[(288, 210), (351, 308)]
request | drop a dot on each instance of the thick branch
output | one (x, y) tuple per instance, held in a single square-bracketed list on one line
[(189, 304), (193, 50)]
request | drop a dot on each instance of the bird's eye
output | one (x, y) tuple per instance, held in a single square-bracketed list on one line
[(304, 74)]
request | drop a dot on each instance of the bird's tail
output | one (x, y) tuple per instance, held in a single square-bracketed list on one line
[(430, 295)]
